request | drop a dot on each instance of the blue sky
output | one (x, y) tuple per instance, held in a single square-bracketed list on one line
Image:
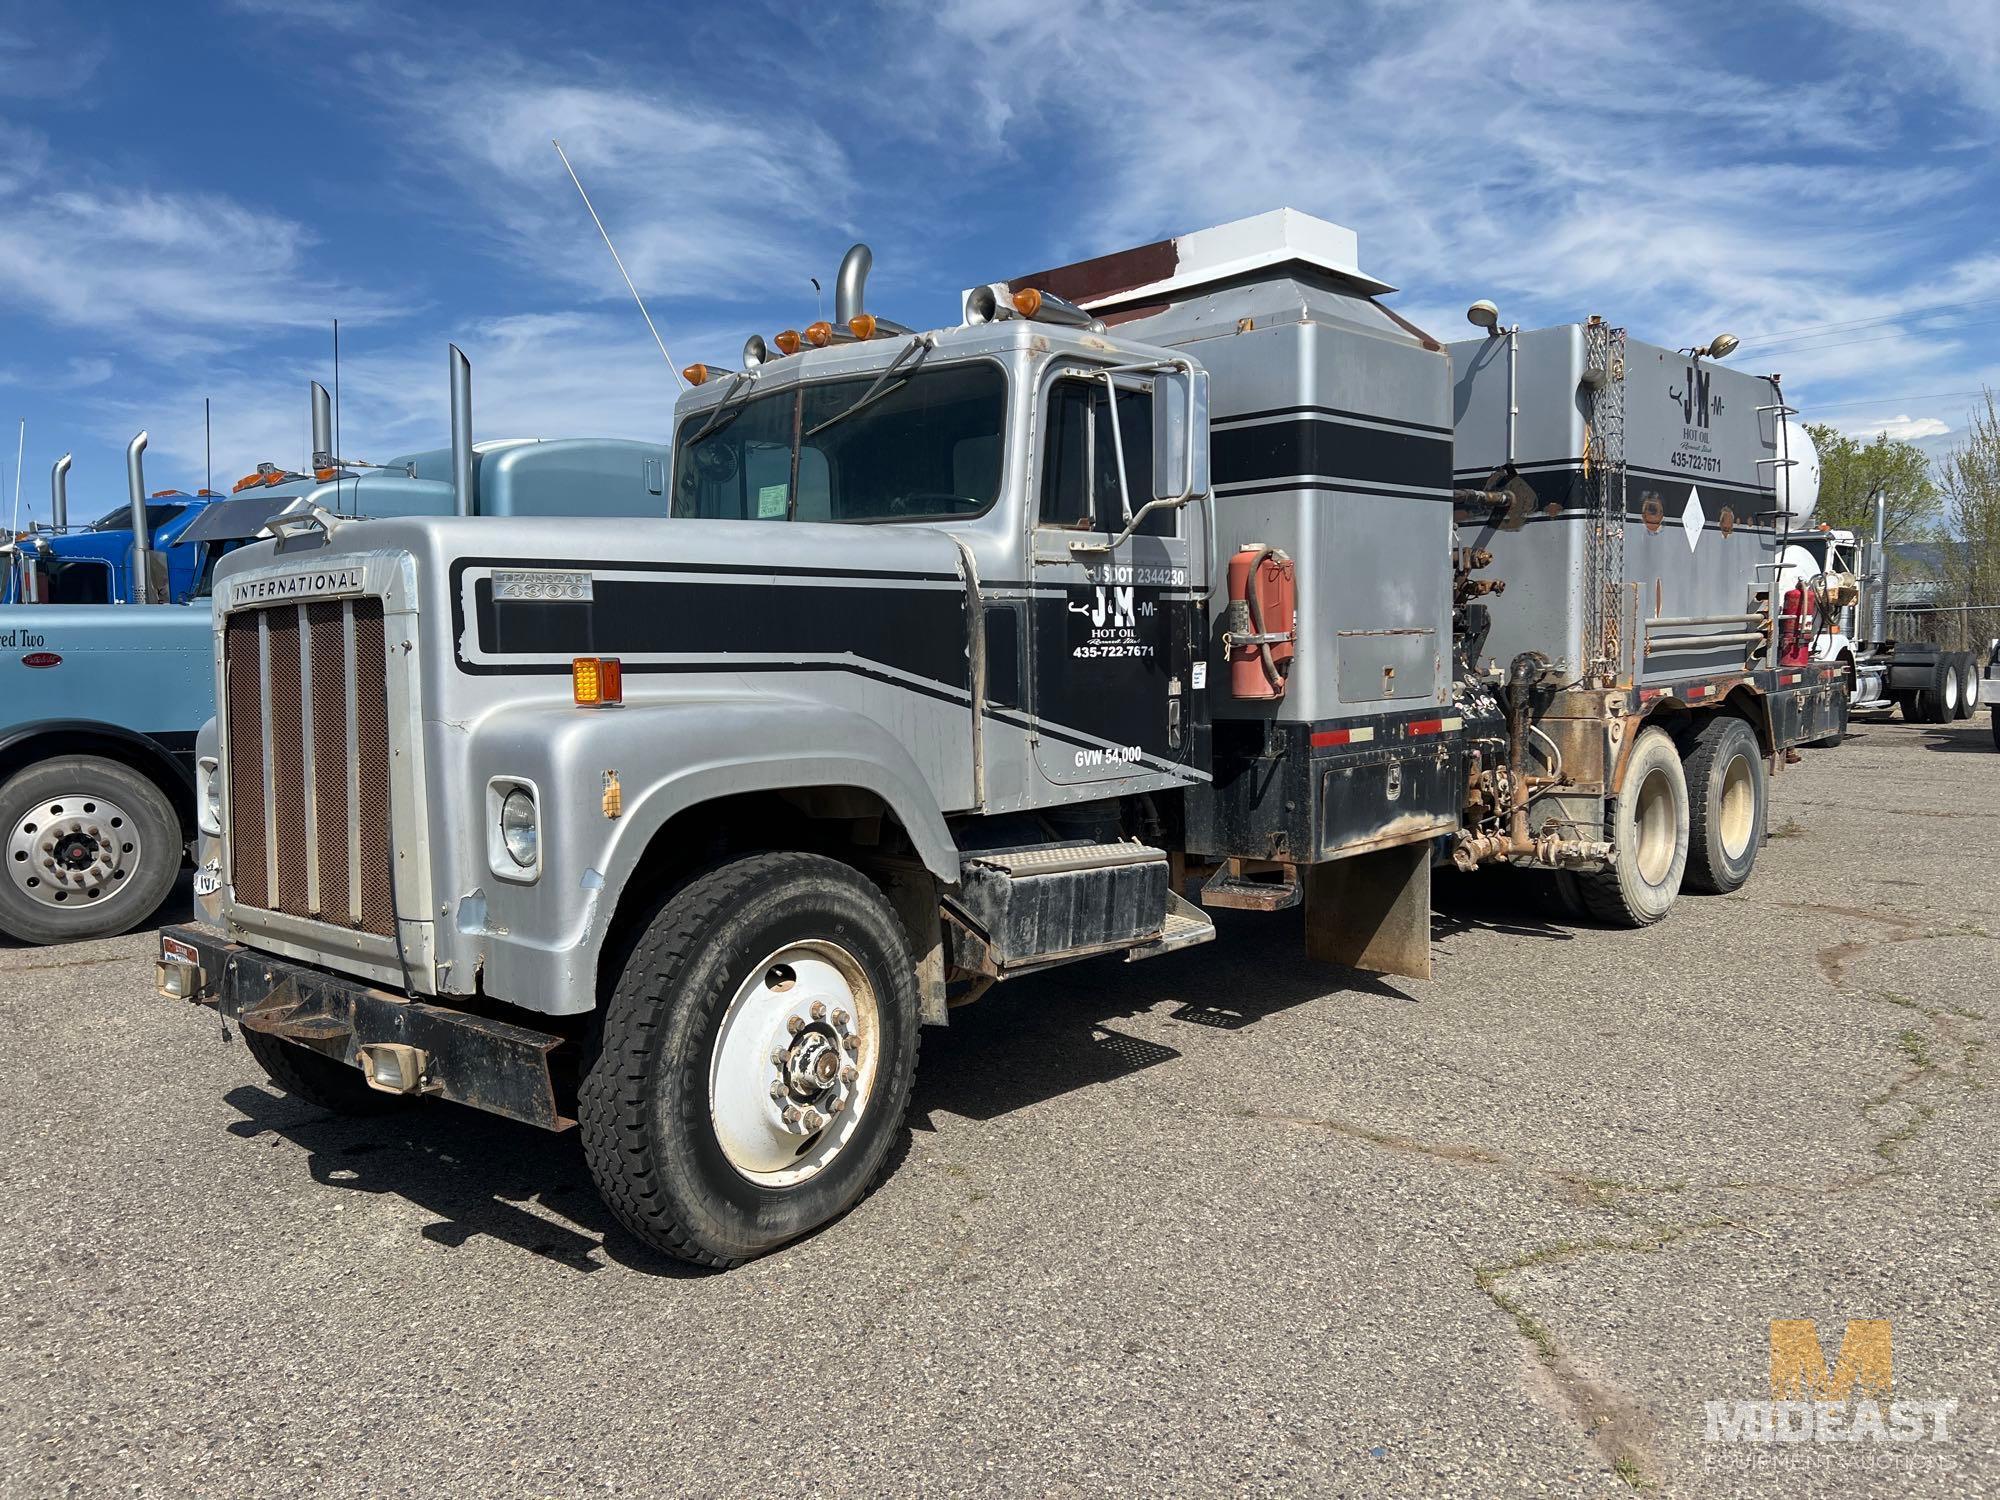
[(189, 193)]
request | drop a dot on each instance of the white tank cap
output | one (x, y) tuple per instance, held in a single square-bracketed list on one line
[(1796, 484)]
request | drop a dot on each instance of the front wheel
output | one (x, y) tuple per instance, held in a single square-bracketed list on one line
[(92, 849), (1727, 786), (750, 1071), (1649, 838)]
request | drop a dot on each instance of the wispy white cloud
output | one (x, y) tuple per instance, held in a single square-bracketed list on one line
[(1904, 428)]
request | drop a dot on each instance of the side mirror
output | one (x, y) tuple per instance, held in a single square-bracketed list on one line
[(1180, 434)]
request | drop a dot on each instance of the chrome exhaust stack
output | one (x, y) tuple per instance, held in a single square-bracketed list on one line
[(322, 428), (461, 429), (850, 308), (142, 539), (59, 494)]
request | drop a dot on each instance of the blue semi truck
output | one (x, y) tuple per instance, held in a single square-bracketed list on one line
[(100, 703)]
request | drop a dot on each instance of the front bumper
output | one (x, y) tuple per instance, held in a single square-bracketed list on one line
[(401, 1045)]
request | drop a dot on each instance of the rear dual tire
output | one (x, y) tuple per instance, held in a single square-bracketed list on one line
[(1649, 839), (1968, 684), (1727, 790)]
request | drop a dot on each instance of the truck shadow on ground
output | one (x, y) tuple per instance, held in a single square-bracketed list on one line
[(1969, 738), (1027, 1042), (479, 1174)]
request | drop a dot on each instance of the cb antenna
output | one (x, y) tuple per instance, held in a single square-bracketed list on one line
[(679, 383)]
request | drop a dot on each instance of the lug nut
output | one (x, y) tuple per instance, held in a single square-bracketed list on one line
[(778, 1057), (814, 1121), (853, 1043), (840, 1020), (849, 1073), (777, 1090), (792, 1115), (794, 1025), (819, 1010), (836, 1105)]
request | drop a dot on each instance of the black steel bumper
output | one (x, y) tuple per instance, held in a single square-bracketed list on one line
[(430, 1049)]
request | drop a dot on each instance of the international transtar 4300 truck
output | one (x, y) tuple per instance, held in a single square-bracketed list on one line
[(966, 653)]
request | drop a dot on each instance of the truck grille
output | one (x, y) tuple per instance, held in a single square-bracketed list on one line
[(306, 706)]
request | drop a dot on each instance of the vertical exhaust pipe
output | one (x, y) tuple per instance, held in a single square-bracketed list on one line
[(1878, 604), (142, 539), (59, 494), (322, 428), (850, 286), (461, 429)]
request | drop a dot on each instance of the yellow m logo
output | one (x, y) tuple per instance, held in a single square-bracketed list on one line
[(1798, 1366)]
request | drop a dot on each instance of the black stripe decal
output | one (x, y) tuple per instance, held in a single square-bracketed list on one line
[(1323, 446), (920, 632), (1326, 411), (1337, 486)]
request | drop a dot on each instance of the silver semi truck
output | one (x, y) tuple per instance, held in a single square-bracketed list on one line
[(1146, 589)]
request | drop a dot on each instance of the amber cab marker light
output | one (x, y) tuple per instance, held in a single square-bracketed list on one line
[(862, 326), (819, 335), (788, 341), (696, 374), (597, 681), (1027, 302)]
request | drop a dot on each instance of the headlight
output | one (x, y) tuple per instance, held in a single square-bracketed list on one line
[(208, 796), (517, 828)]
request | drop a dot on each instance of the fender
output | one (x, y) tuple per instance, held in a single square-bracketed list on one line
[(538, 942), (171, 753)]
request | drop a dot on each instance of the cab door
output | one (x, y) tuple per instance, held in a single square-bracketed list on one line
[(1113, 638)]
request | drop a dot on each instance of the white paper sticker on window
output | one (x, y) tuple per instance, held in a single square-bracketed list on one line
[(771, 501), (1199, 673)]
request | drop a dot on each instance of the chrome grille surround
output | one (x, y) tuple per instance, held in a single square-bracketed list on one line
[(323, 811)]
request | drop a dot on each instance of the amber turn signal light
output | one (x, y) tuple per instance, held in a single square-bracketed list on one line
[(597, 681), (1027, 302), (862, 326), (696, 374), (788, 341), (819, 335)]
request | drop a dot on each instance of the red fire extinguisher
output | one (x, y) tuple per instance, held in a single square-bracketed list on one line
[(1263, 593), (1794, 639)]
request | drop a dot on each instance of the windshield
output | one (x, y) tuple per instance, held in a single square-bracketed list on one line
[(121, 518), (927, 447)]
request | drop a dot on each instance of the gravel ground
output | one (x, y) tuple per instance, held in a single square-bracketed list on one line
[(1224, 1222)]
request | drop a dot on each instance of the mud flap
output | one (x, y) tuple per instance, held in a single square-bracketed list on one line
[(1373, 911)]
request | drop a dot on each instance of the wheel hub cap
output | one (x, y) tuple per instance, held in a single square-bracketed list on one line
[(72, 851), (794, 1063)]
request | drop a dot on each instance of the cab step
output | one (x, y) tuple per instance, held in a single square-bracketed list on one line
[(1018, 910), (1234, 888), (1186, 925)]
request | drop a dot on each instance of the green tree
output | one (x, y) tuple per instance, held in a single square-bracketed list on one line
[(1849, 472), (1970, 477)]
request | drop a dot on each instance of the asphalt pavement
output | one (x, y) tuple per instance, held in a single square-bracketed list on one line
[(1223, 1222)]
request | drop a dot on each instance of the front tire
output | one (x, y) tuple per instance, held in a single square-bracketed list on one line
[(92, 848), (1968, 684), (751, 1068), (1727, 788), (1649, 838)]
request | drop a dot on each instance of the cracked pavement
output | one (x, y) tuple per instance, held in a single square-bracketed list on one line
[(1225, 1221)]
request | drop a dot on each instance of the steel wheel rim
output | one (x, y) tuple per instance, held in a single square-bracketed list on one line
[(1736, 822), (1951, 692), (795, 1063), (71, 851), (1654, 823)]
